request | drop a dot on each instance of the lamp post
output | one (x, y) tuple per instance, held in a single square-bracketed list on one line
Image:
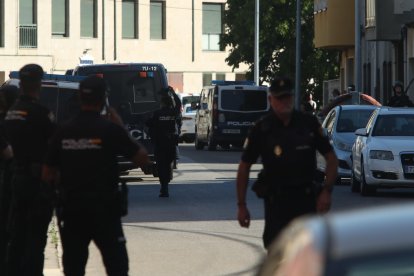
[(256, 43), (298, 54)]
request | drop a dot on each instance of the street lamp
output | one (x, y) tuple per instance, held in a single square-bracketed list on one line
[(298, 54)]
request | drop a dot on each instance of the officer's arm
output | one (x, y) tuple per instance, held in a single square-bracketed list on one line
[(331, 170), (242, 182), (140, 158)]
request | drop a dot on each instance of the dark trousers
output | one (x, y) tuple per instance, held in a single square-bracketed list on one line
[(5, 200), (282, 209), (28, 222), (78, 230), (164, 156)]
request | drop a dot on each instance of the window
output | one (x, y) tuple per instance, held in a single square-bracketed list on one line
[(27, 23), (60, 18), (370, 14), (1, 23), (129, 19), (207, 78), (212, 26), (157, 18), (88, 18), (220, 76)]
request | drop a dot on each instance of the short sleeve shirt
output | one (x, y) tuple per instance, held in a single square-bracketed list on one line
[(288, 152)]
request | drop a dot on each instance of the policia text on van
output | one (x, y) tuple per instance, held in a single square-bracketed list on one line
[(226, 111)]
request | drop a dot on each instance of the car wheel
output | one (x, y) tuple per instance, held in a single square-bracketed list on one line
[(211, 145), (197, 143), (355, 184), (364, 188), (225, 146)]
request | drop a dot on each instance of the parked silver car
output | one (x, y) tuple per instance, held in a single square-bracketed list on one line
[(340, 125), (369, 242)]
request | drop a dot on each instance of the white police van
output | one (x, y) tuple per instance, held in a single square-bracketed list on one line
[(226, 112)]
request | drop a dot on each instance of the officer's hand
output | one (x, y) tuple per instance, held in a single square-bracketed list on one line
[(324, 202), (243, 216)]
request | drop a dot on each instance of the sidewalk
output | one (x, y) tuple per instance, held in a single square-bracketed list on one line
[(53, 252)]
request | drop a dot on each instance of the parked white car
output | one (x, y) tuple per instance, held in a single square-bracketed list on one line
[(188, 123), (383, 152), (340, 125)]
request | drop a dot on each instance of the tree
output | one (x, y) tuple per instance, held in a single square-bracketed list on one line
[(277, 42)]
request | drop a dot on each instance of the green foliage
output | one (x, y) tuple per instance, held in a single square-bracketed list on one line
[(277, 42)]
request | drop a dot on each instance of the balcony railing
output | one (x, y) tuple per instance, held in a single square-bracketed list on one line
[(28, 36)]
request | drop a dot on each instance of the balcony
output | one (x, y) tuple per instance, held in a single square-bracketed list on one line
[(334, 24), (28, 36)]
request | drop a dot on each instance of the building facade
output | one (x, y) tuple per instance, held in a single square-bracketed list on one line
[(58, 34)]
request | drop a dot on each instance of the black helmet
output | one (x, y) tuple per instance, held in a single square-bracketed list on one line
[(398, 83)]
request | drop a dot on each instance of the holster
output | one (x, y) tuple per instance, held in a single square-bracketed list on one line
[(261, 187)]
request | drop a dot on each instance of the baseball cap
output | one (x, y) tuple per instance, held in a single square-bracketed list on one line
[(281, 86), (92, 88), (31, 73)]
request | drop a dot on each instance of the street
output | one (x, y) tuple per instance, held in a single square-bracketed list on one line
[(195, 232)]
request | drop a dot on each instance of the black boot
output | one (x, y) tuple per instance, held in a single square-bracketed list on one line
[(164, 190)]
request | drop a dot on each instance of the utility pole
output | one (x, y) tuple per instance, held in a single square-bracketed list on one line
[(358, 63), (298, 54), (256, 43)]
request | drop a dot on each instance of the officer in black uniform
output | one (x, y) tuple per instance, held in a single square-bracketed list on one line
[(399, 98), (90, 205), (163, 129), (286, 140), (29, 126), (8, 95)]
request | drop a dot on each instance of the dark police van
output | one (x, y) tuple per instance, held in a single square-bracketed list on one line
[(134, 90), (226, 111)]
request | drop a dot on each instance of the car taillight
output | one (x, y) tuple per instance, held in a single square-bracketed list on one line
[(215, 111), (221, 118)]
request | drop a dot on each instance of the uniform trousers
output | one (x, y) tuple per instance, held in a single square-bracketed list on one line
[(77, 230), (164, 156), (30, 214), (282, 208), (5, 199)]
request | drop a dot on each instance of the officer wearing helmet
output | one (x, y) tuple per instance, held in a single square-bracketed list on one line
[(399, 98), (286, 140)]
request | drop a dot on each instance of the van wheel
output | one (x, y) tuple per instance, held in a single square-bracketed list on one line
[(211, 145), (198, 145)]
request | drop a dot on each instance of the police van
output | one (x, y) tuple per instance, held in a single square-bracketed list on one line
[(59, 94), (135, 91), (226, 111)]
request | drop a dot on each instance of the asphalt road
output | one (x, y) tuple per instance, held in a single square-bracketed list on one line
[(195, 232)]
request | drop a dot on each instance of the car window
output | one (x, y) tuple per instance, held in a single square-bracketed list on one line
[(330, 121), (243, 100), (189, 109), (189, 99), (371, 121), (351, 120), (390, 264), (394, 125)]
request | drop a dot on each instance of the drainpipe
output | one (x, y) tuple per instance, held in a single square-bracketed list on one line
[(115, 57), (356, 97), (298, 54), (405, 53), (192, 31), (256, 42), (103, 30)]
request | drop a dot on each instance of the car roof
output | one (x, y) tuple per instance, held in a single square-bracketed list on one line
[(371, 230), (395, 110), (356, 107)]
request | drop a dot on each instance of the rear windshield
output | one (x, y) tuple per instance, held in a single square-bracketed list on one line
[(244, 100), (62, 102), (137, 90), (190, 99), (351, 120)]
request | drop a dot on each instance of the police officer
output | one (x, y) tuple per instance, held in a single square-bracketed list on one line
[(163, 129), (8, 95), (399, 98), (29, 126), (84, 153), (286, 140)]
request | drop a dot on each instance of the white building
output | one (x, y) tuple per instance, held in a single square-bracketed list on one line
[(181, 34)]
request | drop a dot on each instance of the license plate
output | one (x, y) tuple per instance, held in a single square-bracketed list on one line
[(409, 169), (231, 131)]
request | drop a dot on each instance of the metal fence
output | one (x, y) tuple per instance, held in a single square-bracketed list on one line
[(28, 36)]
